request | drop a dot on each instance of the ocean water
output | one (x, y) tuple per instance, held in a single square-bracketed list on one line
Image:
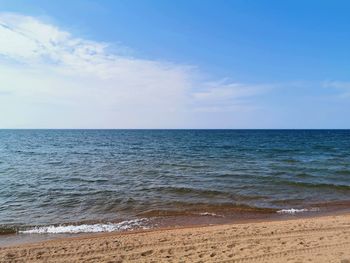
[(52, 181)]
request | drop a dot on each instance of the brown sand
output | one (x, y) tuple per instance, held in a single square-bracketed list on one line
[(321, 239)]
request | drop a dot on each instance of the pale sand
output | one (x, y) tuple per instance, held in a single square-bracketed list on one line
[(322, 239)]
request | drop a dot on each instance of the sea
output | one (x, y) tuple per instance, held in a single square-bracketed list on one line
[(55, 182)]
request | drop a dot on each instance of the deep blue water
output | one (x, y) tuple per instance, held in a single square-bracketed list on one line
[(58, 176)]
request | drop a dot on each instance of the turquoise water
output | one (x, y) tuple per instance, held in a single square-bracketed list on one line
[(50, 177)]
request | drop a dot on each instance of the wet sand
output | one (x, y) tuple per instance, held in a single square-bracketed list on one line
[(317, 239)]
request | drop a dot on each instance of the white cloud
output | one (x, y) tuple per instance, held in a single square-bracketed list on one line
[(342, 86), (222, 96), (337, 84), (50, 78)]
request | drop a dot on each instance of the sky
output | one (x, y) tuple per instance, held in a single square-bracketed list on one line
[(175, 64)]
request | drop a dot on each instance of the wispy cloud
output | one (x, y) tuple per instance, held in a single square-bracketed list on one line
[(223, 96), (342, 86), (55, 79)]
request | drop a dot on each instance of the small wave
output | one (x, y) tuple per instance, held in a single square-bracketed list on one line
[(295, 211), (7, 230), (317, 185), (210, 214), (343, 172), (290, 160), (195, 209), (87, 180), (190, 190), (54, 162), (85, 228)]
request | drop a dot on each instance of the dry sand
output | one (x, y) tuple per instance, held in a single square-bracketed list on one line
[(321, 239)]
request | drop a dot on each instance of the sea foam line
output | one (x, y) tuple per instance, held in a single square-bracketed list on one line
[(210, 214), (295, 211), (86, 228)]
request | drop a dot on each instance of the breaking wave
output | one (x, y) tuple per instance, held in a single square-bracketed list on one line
[(295, 211), (89, 228)]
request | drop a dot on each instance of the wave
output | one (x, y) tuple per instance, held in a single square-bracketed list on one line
[(87, 180), (89, 228), (316, 185), (195, 209), (342, 172), (184, 166), (210, 214), (295, 211), (290, 160), (7, 230), (202, 192), (190, 190)]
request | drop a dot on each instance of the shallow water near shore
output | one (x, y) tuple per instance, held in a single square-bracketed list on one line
[(145, 178)]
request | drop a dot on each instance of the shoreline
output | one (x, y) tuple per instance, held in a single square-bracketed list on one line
[(263, 239), (167, 220)]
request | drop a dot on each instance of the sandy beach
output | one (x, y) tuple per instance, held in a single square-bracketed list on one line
[(318, 239)]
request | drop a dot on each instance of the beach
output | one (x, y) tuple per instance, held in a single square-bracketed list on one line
[(174, 131), (314, 239)]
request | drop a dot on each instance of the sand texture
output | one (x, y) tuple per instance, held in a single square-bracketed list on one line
[(321, 239)]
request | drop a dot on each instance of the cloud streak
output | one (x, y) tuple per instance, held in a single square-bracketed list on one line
[(342, 86), (52, 79)]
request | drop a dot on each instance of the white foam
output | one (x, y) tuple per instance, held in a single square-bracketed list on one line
[(210, 214), (85, 228), (295, 211)]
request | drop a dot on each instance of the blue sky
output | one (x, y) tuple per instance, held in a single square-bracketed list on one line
[(175, 64)]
